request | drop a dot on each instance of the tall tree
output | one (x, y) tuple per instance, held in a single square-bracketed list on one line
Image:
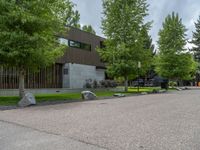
[(148, 45), (72, 16), (88, 28), (173, 61), (123, 25), (27, 33), (196, 48)]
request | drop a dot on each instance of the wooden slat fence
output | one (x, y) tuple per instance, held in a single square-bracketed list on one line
[(50, 77)]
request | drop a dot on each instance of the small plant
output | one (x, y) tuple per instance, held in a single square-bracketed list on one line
[(88, 83), (172, 83), (95, 84), (108, 84)]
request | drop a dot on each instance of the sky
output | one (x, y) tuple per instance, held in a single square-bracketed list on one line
[(189, 11)]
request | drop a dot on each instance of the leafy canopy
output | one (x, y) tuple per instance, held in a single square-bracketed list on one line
[(123, 25), (173, 61), (28, 31)]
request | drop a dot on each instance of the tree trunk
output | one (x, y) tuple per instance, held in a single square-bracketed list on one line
[(21, 83), (126, 84)]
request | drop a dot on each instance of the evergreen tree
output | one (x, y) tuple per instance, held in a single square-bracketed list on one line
[(123, 25), (173, 61), (196, 41), (196, 48)]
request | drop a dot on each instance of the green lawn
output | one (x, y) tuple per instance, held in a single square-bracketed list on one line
[(12, 100), (142, 89)]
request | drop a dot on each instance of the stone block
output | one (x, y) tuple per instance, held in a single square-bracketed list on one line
[(27, 100), (88, 95)]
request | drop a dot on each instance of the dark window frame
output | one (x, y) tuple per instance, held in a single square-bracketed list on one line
[(84, 46), (76, 42)]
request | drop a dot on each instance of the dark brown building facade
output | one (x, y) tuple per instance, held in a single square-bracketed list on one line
[(80, 63)]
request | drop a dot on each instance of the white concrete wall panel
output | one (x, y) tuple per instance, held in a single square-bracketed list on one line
[(78, 74)]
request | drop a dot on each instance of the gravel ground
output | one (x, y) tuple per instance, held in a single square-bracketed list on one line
[(150, 122)]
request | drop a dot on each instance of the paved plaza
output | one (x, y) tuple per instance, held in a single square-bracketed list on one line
[(151, 122)]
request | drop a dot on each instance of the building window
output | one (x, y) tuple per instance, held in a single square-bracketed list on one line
[(86, 46), (65, 71), (63, 41), (74, 44), (102, 45), (80, 45)]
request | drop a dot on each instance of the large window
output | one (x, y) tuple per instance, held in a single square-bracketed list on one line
[(80, 45), (63, 41), (86, 46), (75, 44)]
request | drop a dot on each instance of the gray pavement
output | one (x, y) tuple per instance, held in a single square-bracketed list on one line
[(149, 122)]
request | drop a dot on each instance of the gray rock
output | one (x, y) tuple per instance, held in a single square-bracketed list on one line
[(27, 100), (162, 91), (179, 89), (88, 95), (155, 91), (119, 95), (158, 91), (184, 88), (144, 93)]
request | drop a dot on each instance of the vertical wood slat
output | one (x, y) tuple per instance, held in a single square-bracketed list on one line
[(50, 77)]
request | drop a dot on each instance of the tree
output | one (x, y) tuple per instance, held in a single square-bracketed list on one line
[(88, 28), (123, 25), (72, 16), (148, 45), (28, 33), (196, 48), (173, 61)]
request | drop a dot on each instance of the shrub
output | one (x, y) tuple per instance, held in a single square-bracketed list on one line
[(88, 83), (95, 84), (172, 83), (108, 84)]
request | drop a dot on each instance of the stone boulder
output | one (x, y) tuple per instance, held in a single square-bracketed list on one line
[(27, 100), (179, 89), (88, 95), (119, 95), (144, 93), (155, 91)]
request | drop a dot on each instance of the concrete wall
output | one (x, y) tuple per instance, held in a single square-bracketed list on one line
[(78, 74)]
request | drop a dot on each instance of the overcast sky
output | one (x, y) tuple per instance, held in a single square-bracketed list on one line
[(189, 10)]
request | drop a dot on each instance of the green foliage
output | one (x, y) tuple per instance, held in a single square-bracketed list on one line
[(196, 41), (72, 16), (13, 100), (88, 28), (173, 61), (123, 25), (28, 29), (196, 48), (172, 83)]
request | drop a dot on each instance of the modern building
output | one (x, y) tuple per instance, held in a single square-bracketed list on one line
[(79, 63)]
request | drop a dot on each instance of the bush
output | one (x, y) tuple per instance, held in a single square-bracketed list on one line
[(108, 84), (88, 83), (102, 84), (95, 84), (172, 83)]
